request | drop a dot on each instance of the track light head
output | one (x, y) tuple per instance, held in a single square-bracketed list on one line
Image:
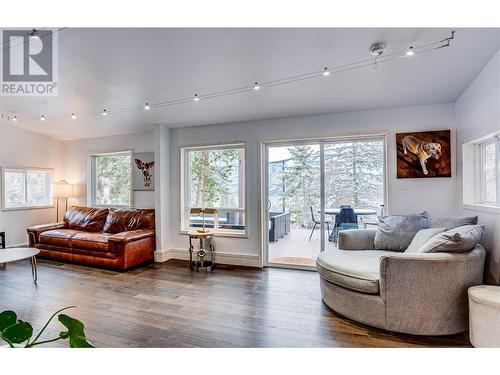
[(104, 112), (196, 98), (326, 72), (42, 118), (73, 116), (410, 51), (34, 34), (147, 107), (14, 118), (256, 86)]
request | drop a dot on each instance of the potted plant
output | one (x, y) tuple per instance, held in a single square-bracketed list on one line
[(18, 333)]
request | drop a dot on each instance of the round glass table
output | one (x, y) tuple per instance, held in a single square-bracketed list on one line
[(20, 253)]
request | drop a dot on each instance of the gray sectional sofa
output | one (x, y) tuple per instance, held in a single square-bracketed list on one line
[(408, 292)]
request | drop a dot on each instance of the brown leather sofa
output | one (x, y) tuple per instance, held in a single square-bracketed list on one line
[(111, 238)]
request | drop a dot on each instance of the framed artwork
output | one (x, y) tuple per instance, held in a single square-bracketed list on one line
[(423, 154), (143, 171)]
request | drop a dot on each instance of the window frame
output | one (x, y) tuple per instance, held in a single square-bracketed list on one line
[(25, 170), (482, 176), (184, 189), (91, 187), (473, 176)]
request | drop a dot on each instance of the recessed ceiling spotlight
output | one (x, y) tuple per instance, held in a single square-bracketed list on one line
[(326, 72), (104, 112), (147, 107), (410, 51), (256, 86), (73, 116), (14, 118), (42, 118), (196, 98), (377, 49), (34, 34)]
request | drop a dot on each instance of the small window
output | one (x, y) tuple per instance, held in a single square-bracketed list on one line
[(489, 172), (111, 179), (214, 177), (26, 188), (481, 173)]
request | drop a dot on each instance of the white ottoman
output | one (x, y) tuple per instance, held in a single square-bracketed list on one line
[(484, 316)]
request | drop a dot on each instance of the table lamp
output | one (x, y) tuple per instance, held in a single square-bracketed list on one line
[(61, 189), (203, 211)]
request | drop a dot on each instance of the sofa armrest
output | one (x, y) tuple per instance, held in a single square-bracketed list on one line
[(428, 292), (35, 230), (357, 239), (131, 236)]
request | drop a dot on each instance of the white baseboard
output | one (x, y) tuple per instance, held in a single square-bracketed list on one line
[(246, 260)]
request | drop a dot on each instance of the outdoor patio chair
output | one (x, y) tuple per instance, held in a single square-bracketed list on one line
[(317, 222), (346, 219), (374, 221)]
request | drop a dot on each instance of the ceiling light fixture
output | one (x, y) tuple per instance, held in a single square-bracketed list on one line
[(14, 118), (73, 116), (42, 118), (410, 51), (104, 112), (256, 86), (326, 72), (196, 98), (147, 107)]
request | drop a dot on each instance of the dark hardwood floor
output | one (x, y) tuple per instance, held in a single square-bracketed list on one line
[(166, 305)]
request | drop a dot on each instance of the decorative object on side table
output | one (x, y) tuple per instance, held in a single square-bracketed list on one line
[(143, 171), (423, 154), (62, 189), (2, 244), (201, 259), (203, 211), (16, 332), (21, 253)]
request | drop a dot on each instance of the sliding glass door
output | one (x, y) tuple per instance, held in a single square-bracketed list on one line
[(307, 183)]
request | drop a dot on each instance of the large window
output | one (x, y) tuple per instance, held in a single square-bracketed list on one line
[(481, 173), (111, 179), (26, 188), (214, 177)]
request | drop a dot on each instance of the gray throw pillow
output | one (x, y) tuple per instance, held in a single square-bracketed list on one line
[(396, 232), (456, 240), (454, 222), (422, 236)]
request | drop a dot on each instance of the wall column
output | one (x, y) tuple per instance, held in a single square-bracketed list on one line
[(162, 193)]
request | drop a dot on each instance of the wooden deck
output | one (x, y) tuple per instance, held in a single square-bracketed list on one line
[(166, 305)]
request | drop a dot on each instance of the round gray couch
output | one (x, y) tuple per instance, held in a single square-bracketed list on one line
[(413, 293)]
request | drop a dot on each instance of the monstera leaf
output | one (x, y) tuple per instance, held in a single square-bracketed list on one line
[(12, 330), (75, 332), (7, 318)]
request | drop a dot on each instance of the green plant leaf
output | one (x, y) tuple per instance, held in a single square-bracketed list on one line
[(7, 318), (18, 333), (75, 332)]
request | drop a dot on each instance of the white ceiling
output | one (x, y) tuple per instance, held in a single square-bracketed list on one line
[(116, 68)]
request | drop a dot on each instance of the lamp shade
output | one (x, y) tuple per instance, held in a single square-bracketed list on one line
[(62, 189)]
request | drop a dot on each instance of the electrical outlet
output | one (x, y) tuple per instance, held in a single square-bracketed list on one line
[(403, 188)]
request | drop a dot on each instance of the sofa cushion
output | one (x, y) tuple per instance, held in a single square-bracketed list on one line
[(397, 231), (90, 241), (422, 236), (57, 237), (454, 222), (456, 240), (86, 218), (127, 219), (358, 270)]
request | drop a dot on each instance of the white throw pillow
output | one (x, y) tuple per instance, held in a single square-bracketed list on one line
[(422, 236), (456, 240)]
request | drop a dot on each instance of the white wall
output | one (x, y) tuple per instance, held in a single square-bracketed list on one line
[(436, 195), (21, 148), (76, 155), (477, 113)]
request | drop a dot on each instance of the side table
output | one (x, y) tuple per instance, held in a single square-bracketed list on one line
[(201, 259)]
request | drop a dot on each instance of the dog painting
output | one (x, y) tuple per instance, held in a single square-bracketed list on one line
[(423, 154), (144, 171)]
